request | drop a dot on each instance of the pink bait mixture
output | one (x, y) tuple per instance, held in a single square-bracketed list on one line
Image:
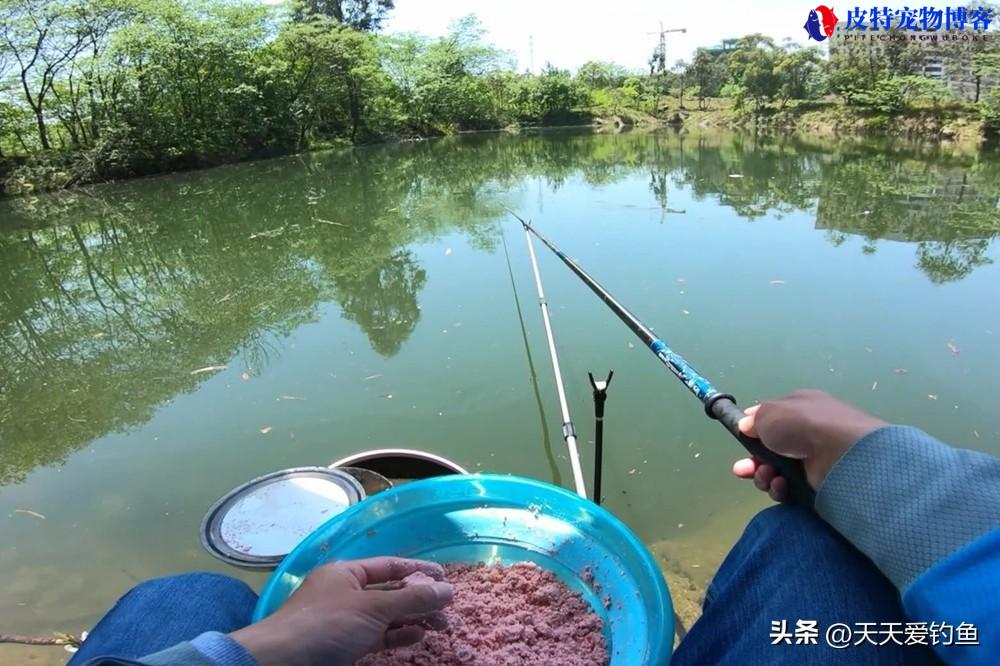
[(521, 615)]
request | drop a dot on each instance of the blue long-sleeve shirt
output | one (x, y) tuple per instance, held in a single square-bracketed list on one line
[(927, 514)]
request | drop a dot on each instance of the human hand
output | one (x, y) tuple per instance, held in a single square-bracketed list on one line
[(345, 610), (808, 425)]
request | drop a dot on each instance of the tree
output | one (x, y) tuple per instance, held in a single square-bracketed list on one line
[(366, 15), (446, 84), (852, 70), (757, 75), (796, 71), (682, 70), (898, 56), (751, 66), (331, 79), (707, 74), (43, 38), (558, 95), (990, 109), (985, 64), (598, 74)]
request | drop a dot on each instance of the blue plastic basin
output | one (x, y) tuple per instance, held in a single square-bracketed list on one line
[(508, 519)]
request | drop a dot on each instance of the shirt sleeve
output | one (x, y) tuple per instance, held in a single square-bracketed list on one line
[(209, 649), (928, 516)]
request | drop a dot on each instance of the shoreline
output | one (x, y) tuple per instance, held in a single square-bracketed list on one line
[(825, 119)]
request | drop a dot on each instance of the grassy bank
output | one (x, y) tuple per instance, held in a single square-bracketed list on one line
[(827, 118)]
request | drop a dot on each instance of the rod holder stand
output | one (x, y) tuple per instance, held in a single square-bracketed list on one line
[(600, 387)]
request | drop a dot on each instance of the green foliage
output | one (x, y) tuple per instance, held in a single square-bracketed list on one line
[(985, 65), (798, 74), (752, 68), (990, 109), (596, 74), (357, 14), (895, 94), (707, 74)]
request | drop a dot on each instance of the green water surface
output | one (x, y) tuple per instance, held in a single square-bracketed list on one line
[(362, 299)]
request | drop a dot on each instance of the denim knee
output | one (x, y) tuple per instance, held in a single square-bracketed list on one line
[(785, 518), (195, 585)]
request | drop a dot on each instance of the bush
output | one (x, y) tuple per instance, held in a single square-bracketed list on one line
[(989, 109), (896, 93)]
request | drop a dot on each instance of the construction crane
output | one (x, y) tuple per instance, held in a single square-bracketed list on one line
[(658, 61)]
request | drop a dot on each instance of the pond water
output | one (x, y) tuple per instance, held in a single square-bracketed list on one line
[(362, 299)]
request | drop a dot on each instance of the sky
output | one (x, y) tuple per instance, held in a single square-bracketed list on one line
[(569, 33)]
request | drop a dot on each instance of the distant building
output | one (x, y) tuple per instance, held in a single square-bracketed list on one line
[(722, 47)]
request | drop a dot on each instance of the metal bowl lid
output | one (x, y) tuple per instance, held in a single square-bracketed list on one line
[(259, 522)]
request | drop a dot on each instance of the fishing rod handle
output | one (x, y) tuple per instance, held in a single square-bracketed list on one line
[(724, 409)]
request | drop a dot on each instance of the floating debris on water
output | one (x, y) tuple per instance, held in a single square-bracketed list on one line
[(875, 386), (681, 280), (680, 525), (290, 397), (952, 348), (265, 430), (685, 312), (387, 396), (776, 282), (697, 455), (976, 433), (245, 376), (447, 252), (338, 224), (631, 471), (209, 368), (630, 345), (29, 512), (900, 371), (735, 175), (370, 377), (931, 396)]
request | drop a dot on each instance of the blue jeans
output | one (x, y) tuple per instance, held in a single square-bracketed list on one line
[(788, 565), (162, 612)]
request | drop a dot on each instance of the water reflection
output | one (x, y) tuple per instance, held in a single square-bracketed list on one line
[(110, 298)]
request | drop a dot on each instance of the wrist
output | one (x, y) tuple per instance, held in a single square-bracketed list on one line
[(267, 645), (837, 441)]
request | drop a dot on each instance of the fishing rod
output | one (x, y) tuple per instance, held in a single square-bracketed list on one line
[(718, 405), (546, 442), (569, 432)]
